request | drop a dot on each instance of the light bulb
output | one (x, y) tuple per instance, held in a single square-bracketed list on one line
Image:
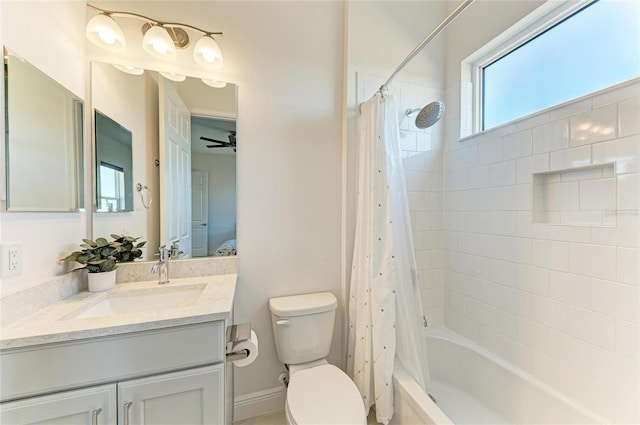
[(160, 46), (209, 55), (107, 36), (158, 42)]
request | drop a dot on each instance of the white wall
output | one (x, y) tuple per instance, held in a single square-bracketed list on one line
[(60, 54)]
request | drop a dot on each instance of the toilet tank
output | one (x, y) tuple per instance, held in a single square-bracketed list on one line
[(303, 326)]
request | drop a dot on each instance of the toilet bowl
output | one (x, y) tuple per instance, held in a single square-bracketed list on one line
[(318, 392), (323, 395)]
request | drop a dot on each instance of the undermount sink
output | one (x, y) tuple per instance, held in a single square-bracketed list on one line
[(142, 300)]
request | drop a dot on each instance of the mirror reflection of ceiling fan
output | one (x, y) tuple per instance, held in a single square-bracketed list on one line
[(220, 144)]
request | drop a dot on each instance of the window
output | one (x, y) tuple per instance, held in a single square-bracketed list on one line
[(590, 49), (111, 188)]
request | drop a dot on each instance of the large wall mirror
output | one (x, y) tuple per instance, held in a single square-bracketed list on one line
[(43, 140), (182, 137)]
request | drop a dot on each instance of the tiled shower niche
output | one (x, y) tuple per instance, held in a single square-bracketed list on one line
[(583, 196)]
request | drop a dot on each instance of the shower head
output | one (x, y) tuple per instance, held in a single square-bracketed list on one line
[(429, 115)]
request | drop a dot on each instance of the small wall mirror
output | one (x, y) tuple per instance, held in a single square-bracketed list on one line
[(44, 134), (114, 165), (183, 156)]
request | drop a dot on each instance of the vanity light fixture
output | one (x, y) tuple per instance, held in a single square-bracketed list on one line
[(161, 39)]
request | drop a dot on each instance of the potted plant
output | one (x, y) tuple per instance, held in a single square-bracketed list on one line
[(128, 249), (98, 257)]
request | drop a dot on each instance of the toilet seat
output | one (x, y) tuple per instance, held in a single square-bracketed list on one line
[(324, 395)]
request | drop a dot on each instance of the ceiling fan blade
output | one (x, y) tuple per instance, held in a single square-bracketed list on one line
[(212, 140), (217, 146)]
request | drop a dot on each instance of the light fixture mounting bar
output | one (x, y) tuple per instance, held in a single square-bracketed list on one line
[(154, 21)]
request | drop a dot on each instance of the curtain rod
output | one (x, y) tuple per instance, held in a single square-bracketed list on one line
[(425, 42)]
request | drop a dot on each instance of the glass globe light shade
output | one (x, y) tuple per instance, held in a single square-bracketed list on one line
[(214, 83), (104, 32), (173, 77), (133, 70), (207, 53), (157, 42)]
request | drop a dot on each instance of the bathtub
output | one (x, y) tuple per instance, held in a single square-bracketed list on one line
[(474, 386)]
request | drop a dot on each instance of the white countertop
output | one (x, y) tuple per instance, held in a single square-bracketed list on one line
[(56, 322)]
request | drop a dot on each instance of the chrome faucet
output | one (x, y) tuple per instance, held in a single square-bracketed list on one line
[(162, 266), (175, 250)]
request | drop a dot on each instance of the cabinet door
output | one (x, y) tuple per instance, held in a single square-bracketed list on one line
[(193, 396), (90, 406)]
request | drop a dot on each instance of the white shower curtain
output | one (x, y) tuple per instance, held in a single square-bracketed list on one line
[(384, 303)]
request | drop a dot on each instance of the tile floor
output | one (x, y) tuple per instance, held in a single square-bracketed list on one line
[(277, 418)]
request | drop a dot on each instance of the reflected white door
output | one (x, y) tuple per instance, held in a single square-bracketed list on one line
[(200, 213), (175, 168)]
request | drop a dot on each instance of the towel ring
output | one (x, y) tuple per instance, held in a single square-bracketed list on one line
[(140, 188)]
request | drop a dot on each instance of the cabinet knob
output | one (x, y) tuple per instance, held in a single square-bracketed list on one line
[(94, 416), (127, 407)]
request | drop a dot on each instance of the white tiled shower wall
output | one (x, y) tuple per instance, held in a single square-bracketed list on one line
[(422, 150), (559, 301)]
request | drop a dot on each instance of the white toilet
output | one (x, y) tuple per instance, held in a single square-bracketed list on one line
[(318, 393)]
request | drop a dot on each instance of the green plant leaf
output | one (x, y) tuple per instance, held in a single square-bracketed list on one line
[(82, 258), (102, 242), (90, 243), (96, 262), (108, 265)]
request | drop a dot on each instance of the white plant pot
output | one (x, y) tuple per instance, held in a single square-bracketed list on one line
[(102, 281)]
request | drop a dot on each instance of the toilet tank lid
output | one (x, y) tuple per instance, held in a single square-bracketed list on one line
[(297, 305)]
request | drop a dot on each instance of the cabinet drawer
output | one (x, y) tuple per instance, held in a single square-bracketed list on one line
[(55, 367)]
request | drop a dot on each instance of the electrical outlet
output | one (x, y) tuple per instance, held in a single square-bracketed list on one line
[(11, 259)]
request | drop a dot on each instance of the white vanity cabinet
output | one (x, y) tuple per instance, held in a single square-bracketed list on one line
[(174, 375)]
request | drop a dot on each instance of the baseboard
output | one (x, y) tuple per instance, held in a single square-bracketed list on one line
[(258, 403)]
